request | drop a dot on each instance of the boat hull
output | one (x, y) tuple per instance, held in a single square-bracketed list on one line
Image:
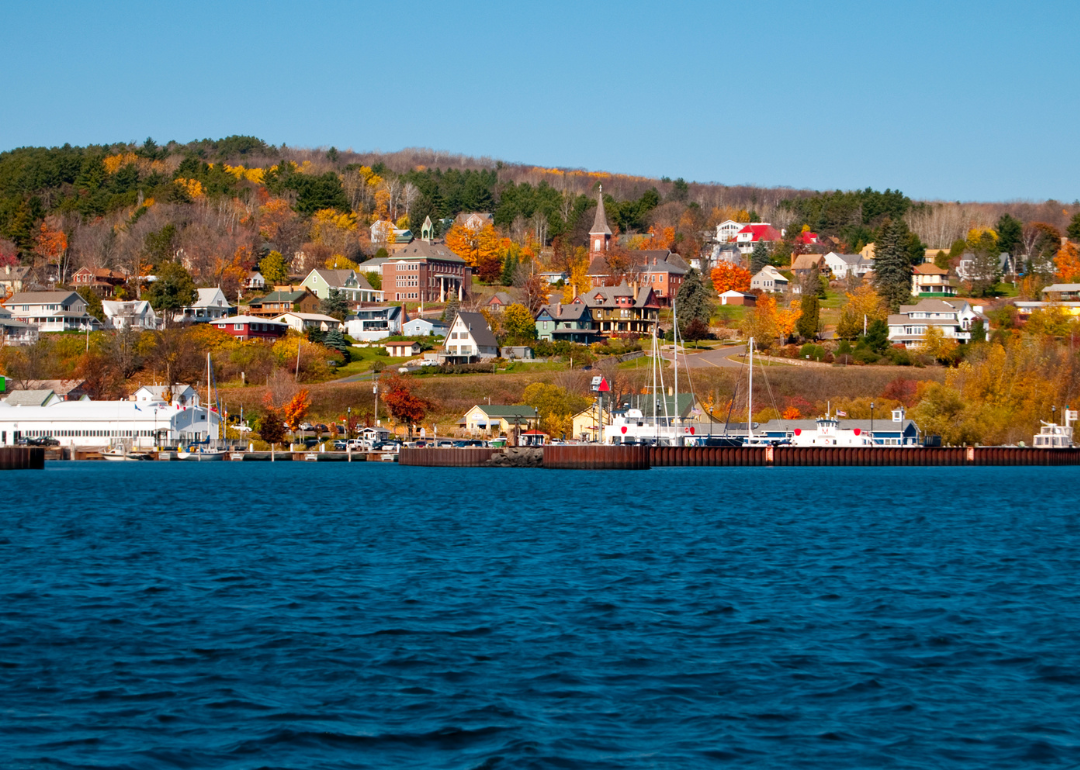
[(200, 456)]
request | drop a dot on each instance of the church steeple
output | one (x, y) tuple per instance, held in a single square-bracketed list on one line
[(600, 234)]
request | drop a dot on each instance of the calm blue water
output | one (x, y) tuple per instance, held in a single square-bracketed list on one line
[(335, 616)]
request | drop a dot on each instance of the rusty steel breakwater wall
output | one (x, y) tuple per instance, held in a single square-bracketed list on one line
[(594, 457), (590, 457), (466, 457), (17, 458), (789, 456)]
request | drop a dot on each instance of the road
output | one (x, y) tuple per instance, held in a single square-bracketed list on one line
[(718, 358)]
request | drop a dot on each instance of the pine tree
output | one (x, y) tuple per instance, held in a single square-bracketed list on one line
[(693, 303), (1073, 230), (892, 265), (336, 305), (808, 320), (1010, 232), (509, 267), (759, 257), (451, 310)]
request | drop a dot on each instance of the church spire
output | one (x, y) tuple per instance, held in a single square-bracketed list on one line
[(600, 225)]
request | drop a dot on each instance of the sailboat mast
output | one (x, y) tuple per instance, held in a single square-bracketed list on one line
[(750, 394), (675, 361)]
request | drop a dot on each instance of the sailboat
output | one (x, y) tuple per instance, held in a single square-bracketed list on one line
[(123, 449), (205, 450)]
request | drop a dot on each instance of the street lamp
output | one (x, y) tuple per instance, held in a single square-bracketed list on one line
[(375, 390), (1053, 414), (348, 423), (872, 441)]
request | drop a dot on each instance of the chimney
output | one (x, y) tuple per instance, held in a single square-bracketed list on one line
[(635, 287), (558, 309)]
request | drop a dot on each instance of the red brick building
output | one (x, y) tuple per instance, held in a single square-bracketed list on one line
[(427, 272)]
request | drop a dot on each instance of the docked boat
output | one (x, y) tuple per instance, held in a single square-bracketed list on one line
[(207, 450), (829, 433), (122, 452), (1054, 436)]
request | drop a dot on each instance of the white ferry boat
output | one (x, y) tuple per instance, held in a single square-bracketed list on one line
[(829, 433), (1054, 436)]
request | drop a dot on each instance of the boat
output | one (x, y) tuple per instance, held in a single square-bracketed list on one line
[(203, 451), (1054, 436), (829, 433), (120, 451)]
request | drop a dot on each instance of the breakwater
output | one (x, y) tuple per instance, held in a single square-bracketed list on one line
[(17, 458), (594, 457)]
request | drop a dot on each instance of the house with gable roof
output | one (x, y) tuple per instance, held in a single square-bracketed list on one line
[(757, 232), (51, 311), (954, 317), (209, 305), (354, 286), (469, 340), (572, 322), (621, 311)]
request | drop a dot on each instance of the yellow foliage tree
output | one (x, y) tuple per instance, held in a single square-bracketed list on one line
[(578, 283), (476, 247), (861, 303), (936, 344), (1067, 263), (193, 187)]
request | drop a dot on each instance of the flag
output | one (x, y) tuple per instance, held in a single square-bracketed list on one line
[(841, 414)]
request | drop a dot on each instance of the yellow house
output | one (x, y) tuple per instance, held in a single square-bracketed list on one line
[(585, 423), (498, 418)]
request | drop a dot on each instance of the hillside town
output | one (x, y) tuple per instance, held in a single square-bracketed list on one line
[(327, 280)]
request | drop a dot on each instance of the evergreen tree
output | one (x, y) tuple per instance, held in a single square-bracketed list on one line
[(336, 305), (1073, 230), (759, 257), (693, 303), (93, 303), (892, 265), (173, 288), (985, 270), (509, 267), (336, 340), (1010, 232), (450, 312), (807, 325), (876, 337)]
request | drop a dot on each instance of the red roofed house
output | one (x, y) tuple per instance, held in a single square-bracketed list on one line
[(758, 232), (806, 238)]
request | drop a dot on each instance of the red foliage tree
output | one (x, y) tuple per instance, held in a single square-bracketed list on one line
[(404, 405)]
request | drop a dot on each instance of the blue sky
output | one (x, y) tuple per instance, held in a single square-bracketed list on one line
[(953, 101)]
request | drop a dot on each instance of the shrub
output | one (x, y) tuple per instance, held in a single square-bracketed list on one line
[(812, 351), (844, 348), (899, 357), (864, 355), (828, 358)]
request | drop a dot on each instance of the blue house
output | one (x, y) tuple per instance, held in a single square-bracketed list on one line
[(572, 323)]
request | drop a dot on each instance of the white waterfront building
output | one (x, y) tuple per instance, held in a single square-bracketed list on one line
[(97, 424)]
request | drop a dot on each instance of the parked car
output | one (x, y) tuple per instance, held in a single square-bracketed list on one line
[(340, 445), (306, 426), (322, 428)]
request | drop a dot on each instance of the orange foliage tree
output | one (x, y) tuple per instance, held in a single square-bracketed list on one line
[(479, 248), (1067, 263), (296, 409), (51, 247), (729, 277)]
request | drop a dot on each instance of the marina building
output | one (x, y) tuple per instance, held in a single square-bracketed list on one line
[(145, 423)]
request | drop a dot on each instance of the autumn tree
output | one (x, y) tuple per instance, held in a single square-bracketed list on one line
[(296, 409), (730, 277), (861, 306), (478, 247), (578, 282), (274, 269), (939, 347), (1067, 263), (404, 405), (892, 265), (985, 268), (555, 405), (761, 322), (51, 248), (518, 325)]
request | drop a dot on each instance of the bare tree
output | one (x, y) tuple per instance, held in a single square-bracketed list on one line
[(409, 194)]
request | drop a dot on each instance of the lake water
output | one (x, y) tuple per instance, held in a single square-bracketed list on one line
[(296, 615)]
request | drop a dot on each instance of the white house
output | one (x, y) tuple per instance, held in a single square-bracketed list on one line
[(51, 311), (375, 323), (354, 286), (97, 424), (470, 339), (727, 230), (14, 332), (183, 395), (757, 232), (209, 306), (769, 279), (424, 327), (129, 314), (305, 322), (953, 316), (844, 265)]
